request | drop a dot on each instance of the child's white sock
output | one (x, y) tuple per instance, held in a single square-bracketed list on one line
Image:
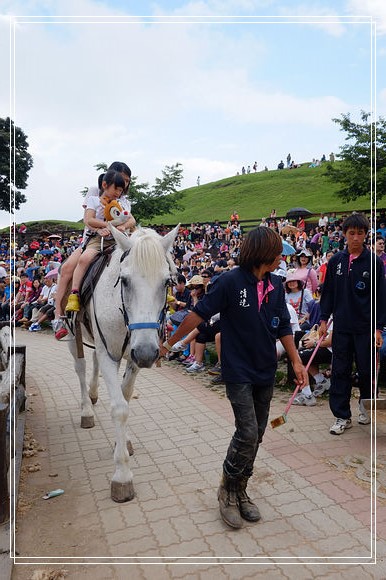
[(307, 391), (319, 378)]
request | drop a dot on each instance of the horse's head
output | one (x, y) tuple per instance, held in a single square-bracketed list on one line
[(146, 271)]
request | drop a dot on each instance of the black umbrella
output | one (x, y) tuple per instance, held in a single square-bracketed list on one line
[(298, 212)]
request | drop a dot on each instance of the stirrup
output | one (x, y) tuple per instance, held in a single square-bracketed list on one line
[(73, 303)]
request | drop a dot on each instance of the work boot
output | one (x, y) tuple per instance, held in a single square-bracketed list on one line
[(229, 507), (248, 510), (73, 304)]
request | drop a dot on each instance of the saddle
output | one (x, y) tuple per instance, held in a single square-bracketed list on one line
[(93, 274), (90, 280)]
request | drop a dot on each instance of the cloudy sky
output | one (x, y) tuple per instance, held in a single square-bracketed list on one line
[(213, 84)]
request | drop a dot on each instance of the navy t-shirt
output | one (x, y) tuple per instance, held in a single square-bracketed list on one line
[(248, 335)]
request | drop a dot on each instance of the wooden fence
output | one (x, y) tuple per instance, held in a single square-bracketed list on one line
[(12, 402)]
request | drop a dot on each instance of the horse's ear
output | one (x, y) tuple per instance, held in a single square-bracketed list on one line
[(168, 240), (122, 239)]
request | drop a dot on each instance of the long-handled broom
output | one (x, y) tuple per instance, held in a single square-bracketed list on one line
[(283, 418)]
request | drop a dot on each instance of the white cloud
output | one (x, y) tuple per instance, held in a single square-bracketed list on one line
[(374, 8)]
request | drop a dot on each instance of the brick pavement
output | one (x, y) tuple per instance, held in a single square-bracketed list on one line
[(315, 513)]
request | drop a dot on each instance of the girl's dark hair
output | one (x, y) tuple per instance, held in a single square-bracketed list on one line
[(112, 177), (121, 168), (260, 246), (357, 221)]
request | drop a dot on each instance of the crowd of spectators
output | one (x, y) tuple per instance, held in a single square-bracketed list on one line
[(202, 251)]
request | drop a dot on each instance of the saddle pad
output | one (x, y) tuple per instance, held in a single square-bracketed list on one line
[(93, 274)]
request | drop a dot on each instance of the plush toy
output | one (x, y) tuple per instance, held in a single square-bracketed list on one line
[(115, 214)]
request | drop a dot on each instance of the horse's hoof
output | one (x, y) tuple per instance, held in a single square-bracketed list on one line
[(130, 448), (121, 492), (94, 400), (87, 422)]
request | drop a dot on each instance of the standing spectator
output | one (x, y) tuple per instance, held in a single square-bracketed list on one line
[(332, 158), (323, 221), (288, 159), (253, 315), (255, 166), (249, 169), (198, 180), (305, 270), (347, 295), (243, 170)]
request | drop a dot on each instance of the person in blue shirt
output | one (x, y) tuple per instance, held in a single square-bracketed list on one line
[(253, 311), (381, 230)]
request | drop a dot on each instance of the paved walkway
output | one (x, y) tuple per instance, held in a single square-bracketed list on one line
[(310, 486)]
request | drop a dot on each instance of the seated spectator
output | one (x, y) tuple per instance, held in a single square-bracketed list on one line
[(181, 294), (21, 299), (323, 267), (281, 165), (45, 297), (380, 249), (322, 356), (280, 350), (3, 271), (381, 230), (32, 298), (298, 296)]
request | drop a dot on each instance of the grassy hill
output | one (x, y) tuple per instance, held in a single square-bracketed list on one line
[(254, 196)]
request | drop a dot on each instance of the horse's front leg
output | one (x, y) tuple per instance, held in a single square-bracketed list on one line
[(87, 413), (93, 386), (122, 488), (127, 387)]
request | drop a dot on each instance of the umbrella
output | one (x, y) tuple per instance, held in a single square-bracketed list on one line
[(289, 230), (55, 237), (288, 250), (52, 273), (297, 212), (46, 252)]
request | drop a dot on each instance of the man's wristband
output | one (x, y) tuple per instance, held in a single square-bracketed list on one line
[(167, 346)]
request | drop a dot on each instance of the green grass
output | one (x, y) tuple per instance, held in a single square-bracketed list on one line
[(52, 226), (254, 196)]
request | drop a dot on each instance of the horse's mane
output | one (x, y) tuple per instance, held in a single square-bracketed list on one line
[(147, 254)]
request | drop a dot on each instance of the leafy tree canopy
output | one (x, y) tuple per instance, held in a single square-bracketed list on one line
[(363, 166), (150, 201), (15, 163)]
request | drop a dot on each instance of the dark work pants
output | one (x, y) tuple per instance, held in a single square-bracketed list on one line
[(250, 404), (347, 348)]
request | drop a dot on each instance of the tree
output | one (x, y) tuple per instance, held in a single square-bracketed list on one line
[(363, 158), (162, 198), (15, 163)]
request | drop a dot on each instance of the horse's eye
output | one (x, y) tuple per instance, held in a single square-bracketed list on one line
[(125, 281)]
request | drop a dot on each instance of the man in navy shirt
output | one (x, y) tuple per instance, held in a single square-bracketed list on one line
[(253, 315), (354, 282)]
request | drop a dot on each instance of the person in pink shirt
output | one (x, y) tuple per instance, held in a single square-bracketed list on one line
[(305, 270)]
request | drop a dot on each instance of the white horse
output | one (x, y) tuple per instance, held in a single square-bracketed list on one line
[(125, 313)]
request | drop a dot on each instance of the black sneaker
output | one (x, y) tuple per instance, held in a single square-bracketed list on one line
[(216, 370), (218, 380)]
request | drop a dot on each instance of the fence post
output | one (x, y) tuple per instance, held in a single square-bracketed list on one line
[(4, 492)]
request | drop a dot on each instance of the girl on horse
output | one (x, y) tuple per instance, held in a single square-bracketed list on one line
[(68, 267), (113, 186)]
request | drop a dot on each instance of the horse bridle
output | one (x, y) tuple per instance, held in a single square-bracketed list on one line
[(160, 324)]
